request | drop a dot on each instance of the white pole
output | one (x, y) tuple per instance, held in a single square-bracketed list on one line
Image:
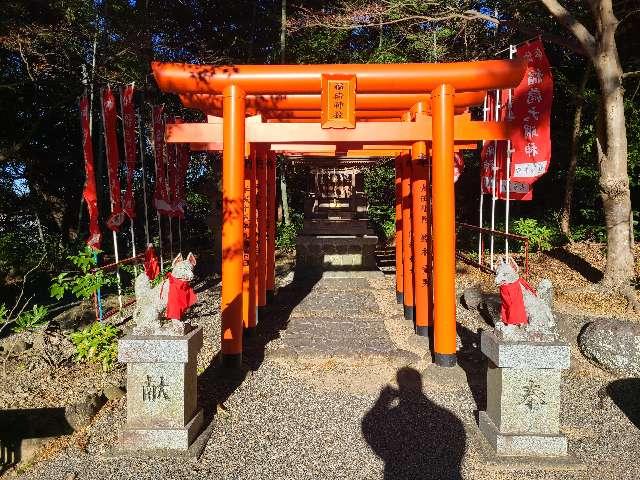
[(144, 182), (512, 49), (133, 237), (481, 221), (160, 241), (133, 246), (170, 238), (180, 233), (115, 250), (157, 212), (495, 169)]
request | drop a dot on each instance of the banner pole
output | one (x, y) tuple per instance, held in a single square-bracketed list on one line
[(481, 221), (144, 182), (495, 170), (512, 49), (170, 239), (126, 156), (160, 241)]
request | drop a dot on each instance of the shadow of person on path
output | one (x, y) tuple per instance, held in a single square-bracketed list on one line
[(416, 438)]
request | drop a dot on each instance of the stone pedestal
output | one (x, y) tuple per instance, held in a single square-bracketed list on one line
[(316, 253), (162, 397), (523, 396)]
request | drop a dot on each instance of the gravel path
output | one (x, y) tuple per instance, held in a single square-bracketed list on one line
[(336, 418)]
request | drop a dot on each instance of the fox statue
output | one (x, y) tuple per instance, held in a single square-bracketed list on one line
[(524, 313), (173, 294)]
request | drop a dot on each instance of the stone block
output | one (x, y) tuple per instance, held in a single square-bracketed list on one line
[(525, 354), (162, 438), (336, 252), (524, 445), (524, 400), (162, 403), (523, 396)]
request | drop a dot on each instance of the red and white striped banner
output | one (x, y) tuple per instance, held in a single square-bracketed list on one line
[(90, 192), (109, 120)]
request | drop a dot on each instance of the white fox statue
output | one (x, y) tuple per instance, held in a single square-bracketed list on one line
[(152, 301), (541, 324)]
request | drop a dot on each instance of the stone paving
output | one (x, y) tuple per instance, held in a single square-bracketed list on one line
[(339, 317)]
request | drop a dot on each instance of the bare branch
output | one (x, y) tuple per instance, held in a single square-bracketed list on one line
[(24, 282), (374, 18), (633, 74), (562, 15)]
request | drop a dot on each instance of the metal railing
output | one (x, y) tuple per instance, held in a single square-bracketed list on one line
[(480, 263)]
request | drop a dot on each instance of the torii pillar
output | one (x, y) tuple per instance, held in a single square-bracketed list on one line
[(232, 225)]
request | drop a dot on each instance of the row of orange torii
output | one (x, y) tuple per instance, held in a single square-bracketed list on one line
[(417, 113)]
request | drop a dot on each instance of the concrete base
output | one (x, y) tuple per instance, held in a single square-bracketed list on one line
[(161, 438), (162, 392), (335, 252), (521, 444)]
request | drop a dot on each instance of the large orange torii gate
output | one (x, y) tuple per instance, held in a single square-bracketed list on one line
[(411, 111)]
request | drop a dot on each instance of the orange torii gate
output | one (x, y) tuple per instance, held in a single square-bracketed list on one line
[(403, 110)]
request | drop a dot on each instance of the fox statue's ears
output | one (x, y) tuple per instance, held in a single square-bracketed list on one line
[(177, 260), (513, 263), (191, 258)]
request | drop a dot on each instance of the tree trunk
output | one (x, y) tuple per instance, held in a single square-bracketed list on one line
[(565, 214), (614, 176)]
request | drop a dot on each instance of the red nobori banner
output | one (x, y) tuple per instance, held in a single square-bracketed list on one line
[(531, 115), (130, 147), (89, 193), (160, 198), (109, 120)]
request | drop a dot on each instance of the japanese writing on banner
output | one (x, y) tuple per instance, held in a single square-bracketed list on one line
[(531, 115), (338, 101)]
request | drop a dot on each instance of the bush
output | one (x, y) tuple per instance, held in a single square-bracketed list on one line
[(379, 186), (383, 221), (541, 237), (82, 285), (286, 234), (97, 343)]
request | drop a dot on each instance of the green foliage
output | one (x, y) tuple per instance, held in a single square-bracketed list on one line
[(82, 285), (379, 186), (97, 343), (286, 234), (383, 220), (26, 321), (4, 313), (541, 237), (31, 319)]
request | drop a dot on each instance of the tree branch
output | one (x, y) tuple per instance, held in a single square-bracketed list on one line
[(631, 74), (567, 20), (348, 22)]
